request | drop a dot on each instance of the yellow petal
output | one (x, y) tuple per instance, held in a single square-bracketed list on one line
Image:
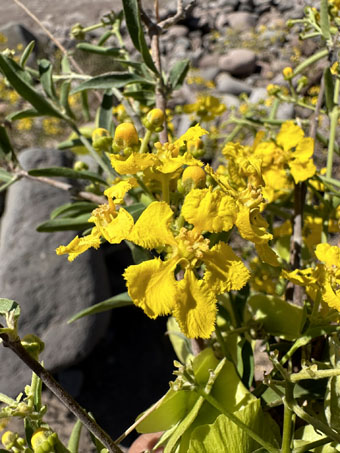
[(329, 254), (289, 136), (80, 245), (114, 227), (267, 255), (133, 164), (171, 164), (191, 134), (225, 271), (195, 309), (152, 286), (301, 170), (329, 295), (252, 226), (304, 149), (119, 190), (152, 228), (209, 210)]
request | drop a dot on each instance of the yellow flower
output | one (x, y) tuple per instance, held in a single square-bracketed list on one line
[(287, 72), (152, 285), (112, 225), (126, 136), (206, 107)]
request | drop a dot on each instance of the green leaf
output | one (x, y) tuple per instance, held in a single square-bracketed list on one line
[(9, 183), (18, 78), (73, 209), (138, 253), (179, 341), (9, 306), (26, 53), (135, 210), (65, 223), (65, 65), (67, 173), (121, 300), (73, 443), (27, 113), (145, 97), (5, 176), (329, 89), (6, 149), (46, 79), (105, 111), (107, 81), (100, 50), (278, 317), (324, 20), (63, 98), (135, 29), (224, 435), (178, 73)]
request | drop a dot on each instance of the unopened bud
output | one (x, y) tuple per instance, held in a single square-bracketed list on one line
[(79, 165), (126, 136), (77, 32), (287, 72), (43, 440), (101, 140), (193, 177), (154, 120)]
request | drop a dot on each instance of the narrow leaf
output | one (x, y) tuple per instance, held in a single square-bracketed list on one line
[(21, 114), (324, 20), (329, 89), (135, 210), (5, 176), (6, 150), (18, 78), (73, 209), (63, 99), (8, 183), (64, 224), (46, 79), (135, 29), (26, 53), (100, 50), (73, 443), (105, 111), (65, 65), (107, 81), (121, 300), (67, 173), (178, 73)]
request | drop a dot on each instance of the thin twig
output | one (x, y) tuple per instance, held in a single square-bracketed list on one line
[(61, 394), (64, 186), (180, 14)]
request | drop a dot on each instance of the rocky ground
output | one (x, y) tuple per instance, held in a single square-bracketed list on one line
[(240, 45)]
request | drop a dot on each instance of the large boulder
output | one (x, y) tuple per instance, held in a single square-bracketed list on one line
[(48, 288)]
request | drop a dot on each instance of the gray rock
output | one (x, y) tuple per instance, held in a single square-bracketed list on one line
[(209, 60), (258, 94), (177, 31), (262, 6), (285, 111), (228, 4), (225, 83), (210, 73), (242, 20), (230, 101), (238, 62), (48, 288)]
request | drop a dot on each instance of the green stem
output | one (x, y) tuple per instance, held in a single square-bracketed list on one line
[(273, 110), (287, 428), (145, 142), (213, 402), (317, 374), (334, 115), (230, 137), (313, 59), (221, 341)]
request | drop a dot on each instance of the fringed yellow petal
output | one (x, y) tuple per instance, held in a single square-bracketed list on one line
[(301, 277), (118, 229), (191, 134), (80, 245), (133, 164), (171, 164), (328, 254), (252, 226), (152, 286), (119, 190), (267, 255), (209, 210), (195, 309), (225, 271), (289, 136), (329, 295), (152, 228)]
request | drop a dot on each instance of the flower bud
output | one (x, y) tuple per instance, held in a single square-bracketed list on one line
[(33, 345), (273, 89), (101, 140), (77, 32), (193, 177), (79, 165), (287, 72), (196, 147), (154, 120), (43, 440), (8, 439), (126, 136)]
